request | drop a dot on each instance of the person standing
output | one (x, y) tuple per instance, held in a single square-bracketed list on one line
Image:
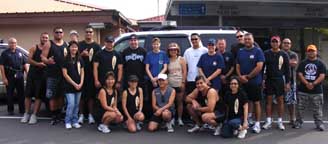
[(240, 43), (290, 97), (229, 64), (192, 56), (277, 80), (210, 65), (74, 36), (73, 72), (12, 66), (35, 83), (88, 49), (177, 73), (311, 72), (250, 60)]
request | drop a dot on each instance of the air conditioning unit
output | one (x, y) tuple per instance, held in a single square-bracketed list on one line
[(97, 25)]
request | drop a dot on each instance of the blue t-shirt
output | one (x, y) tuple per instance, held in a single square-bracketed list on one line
[(247, 59), (156, 62), (209, 64)]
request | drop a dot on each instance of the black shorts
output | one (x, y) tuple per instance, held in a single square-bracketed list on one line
[(177, 89), (88, 91), (159, 119), (275, 87), (253, 91), (132, 113), (35, 87), (54, 87), (190, 87), (219, 116)]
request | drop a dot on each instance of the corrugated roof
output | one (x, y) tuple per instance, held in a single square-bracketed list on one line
[(31, 6)]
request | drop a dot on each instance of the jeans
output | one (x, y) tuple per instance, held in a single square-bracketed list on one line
[(72, 100), (235, 123)]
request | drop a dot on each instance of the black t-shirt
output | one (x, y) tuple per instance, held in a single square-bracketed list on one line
[(229, 62), (108, 61), (235, 48), (235, 103), (34, 71), (74, 72), (277, 65), (57, 52), (311, 71), (93, 48), (133, 62)]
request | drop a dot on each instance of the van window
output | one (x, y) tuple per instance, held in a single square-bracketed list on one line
[(182, 41), (230, 39), (123, 44)]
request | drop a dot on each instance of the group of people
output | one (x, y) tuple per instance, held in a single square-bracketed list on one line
[(220, 89)]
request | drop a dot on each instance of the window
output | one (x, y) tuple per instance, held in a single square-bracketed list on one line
[(230, 39), (181, 40), (121, 45)]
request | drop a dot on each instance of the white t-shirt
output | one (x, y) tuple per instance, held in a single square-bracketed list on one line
[(192, 57)]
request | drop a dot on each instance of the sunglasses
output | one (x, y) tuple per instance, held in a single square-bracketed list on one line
[(274, 41), (58, 32), (239, 36), (233, 83), (194, 39), (89, 32), (286, 42)]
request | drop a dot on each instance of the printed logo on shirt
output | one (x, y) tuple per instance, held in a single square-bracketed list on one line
[(91, 54), (215, 63), (227, 59), (113, 62), (251, 56), (65, 52), (310, 71), (134, 57), (281, 61), (20, 54), (137, 103), (236, 106)]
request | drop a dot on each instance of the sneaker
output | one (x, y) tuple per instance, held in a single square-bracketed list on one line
[(81, 118), (267, 125), (256, 129), (250, 121), (172, 122), (169, 127), (235, 132), (242, 134), (194, 129), (25, 118), (217, 131), (33, 119), (103, 128), (321, 127), (298, 125), (281, 126), (180, 122), (138, 125), (91, 119), (76, 125), (68, 126)]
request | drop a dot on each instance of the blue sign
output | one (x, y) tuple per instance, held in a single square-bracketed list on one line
[(192, 9)]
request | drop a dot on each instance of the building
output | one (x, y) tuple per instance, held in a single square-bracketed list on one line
[(25, 20)]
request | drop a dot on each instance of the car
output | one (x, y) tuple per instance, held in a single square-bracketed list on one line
[(3, 47)]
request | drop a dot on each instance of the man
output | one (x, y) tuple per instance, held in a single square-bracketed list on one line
[(35, 86), (107, 60), (277, 80), (12, 66), (163, 104), (53, 57), (229, 63), (192, 56), (74, 35), (88, 48), (249, 65), (240, 43), (290, 97), (311, 72)]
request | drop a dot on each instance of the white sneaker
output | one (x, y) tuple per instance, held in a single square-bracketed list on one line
[(242, 134), (267, 125), (281, 126), (194, 129), (81, 118), (180, 122), (172, 122), (33, 119), (103, 128), (217, 131), (68, 126), (235, 132), (25, 118), (77, 125), (91, 119), (169, 127), (256, 129), (138, 125)]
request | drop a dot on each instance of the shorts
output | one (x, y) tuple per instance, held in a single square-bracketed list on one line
[(159, 119), (177, 89), (290, 97), (35, 87), (219, 116), (88, 91), (275, 87), (253, 91), (54, 87), (190, 87), (131, 112)]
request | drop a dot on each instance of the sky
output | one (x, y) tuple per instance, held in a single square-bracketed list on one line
[(135, 9)]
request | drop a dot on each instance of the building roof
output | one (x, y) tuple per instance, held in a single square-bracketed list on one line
[(154, 19), (26, 6)]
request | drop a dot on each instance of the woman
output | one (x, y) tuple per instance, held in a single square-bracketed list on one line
[(237, 109), (73, 73), (106, 105), (177, 72), (132, 104)]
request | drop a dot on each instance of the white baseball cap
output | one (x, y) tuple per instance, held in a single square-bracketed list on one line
[(162, 76)]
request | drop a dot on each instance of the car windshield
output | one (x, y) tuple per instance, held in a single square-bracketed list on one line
[(230, 39)]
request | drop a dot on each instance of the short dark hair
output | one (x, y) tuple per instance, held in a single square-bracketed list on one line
[(44, 33), (249, 34), (194, 34), (110, 74), (200, 77), (88, 27), (57, 27)]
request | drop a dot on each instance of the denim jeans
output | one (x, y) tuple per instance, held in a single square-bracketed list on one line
[(72, 101), (235, 123)]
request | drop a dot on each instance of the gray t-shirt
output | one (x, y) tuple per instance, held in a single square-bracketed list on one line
[(292, 55)]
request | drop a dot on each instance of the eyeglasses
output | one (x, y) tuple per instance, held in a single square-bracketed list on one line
[(233, 83), (89, 32), (58, 32), (194, 39), (210, 44), (239, 36)]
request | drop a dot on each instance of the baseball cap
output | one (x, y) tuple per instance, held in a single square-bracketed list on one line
[(211, 41), (277, 38), (162, 76), (133, 78), (73, 32), (133, 36), (109, 39), (311, 47)]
